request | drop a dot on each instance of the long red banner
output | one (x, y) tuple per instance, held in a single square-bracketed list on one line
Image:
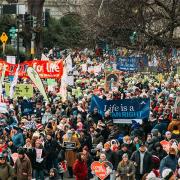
[(45, 68)]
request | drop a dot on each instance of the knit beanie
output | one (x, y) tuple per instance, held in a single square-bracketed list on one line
[(166, 174)]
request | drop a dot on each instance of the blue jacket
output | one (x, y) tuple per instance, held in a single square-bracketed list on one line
[(18, 140), (168, 162)]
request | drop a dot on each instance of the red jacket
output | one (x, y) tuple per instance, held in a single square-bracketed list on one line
[(80, 170)]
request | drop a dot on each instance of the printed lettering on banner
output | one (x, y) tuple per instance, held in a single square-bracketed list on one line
[(45, 69)]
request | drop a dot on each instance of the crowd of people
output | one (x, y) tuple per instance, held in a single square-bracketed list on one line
[(63, 137)]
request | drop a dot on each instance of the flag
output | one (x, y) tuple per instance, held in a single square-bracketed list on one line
[(1, 82), (63, 88), (34, 76), (68, 62), (13, 84)]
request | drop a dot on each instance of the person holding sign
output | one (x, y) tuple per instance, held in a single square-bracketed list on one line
[(71, 145)]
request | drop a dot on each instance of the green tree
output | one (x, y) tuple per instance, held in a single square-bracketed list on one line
[(66, 32)]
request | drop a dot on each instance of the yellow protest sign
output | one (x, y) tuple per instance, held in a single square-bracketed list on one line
[(24, 90)]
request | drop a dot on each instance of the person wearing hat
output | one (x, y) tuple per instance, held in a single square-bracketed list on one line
[(170, 161), (70, 153), (52, 148), (6, 170), (126, 168), (97, 137), (95, 115), (142, 160), (17, 138), (53, 174), (119, 153), (168, 174), (23, 168)]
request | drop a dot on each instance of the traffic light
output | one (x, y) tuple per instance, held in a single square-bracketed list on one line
[(28, 19), (34, 22)]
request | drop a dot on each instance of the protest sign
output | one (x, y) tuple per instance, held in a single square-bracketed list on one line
[(70, 80), (132, 63), (137, 108), (14, 157), (84, 67), (11, 59), (51, 82), (101, 170), (112, 80), (45, 69), (27, 108), (21, 90), (3, 108), (97, 69), (69, 145)]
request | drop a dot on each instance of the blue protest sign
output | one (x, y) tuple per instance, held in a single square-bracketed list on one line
[(27, 108), (131, 63), (137, 108)]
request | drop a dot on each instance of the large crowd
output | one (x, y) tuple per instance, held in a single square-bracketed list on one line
[(32, 146)]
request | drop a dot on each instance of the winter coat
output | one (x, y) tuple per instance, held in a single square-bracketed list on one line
[(160, 153), (38, 163), (6, 172), (110, 156), (80, 170), (131, 147), (70, 155), (86, 141), (146, 161), (23, 166), (18, 140), (51, 148), (168, 162), (96, 117), (97, 139), (89, 161), (123, 170)]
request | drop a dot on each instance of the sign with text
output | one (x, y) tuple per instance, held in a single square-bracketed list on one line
[(137, 108), (132, 63), (45, 69), (21, 90), (69, 145), (101, 170)]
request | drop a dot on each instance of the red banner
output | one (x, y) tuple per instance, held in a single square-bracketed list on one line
[(45, 68)]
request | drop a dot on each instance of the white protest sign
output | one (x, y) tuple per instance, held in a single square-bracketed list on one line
[(84, 67), (3, 108), (70, 80)]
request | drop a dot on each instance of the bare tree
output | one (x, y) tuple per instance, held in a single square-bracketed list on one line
[(155, 21)]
